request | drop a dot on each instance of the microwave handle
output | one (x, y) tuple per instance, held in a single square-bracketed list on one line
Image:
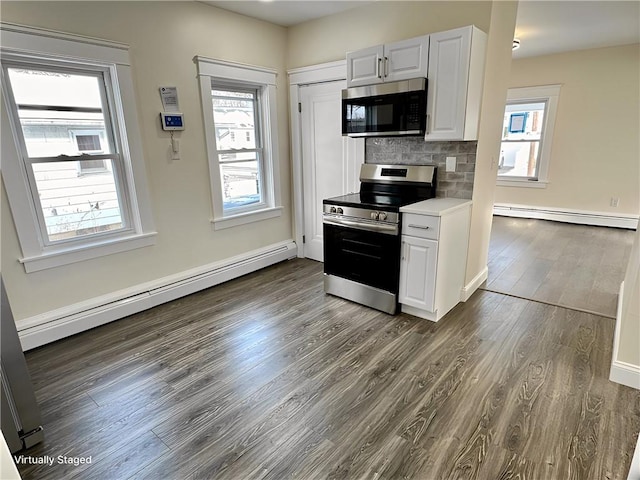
[(428, 123)]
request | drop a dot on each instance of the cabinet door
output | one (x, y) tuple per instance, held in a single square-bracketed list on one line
[(418, 272), (406, 59), (449, 55), (364, 67)]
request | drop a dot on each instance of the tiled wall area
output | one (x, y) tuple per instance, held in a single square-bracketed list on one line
[(415, 151)]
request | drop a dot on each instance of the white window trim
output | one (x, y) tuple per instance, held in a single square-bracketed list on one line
[(549, 94), (243, 75), (35, 43)]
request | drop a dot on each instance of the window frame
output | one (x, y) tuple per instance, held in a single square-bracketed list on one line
[(549, 95), (40, 48), (258, 150), (211, 74)]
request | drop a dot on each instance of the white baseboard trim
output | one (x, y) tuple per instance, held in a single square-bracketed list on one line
[(474, 284), (622, 372), (63, 322), (582, 217), (625, 374)]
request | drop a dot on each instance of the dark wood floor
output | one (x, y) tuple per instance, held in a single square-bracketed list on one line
[(576, 266), (266, 377)]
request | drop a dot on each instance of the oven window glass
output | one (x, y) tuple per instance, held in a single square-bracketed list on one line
[(365, 257)]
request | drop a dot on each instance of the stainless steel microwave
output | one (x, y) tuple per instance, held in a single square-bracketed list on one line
[(385, 109)]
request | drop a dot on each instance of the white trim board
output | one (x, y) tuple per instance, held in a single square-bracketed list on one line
[(325, 72), (63, 322), (470, 288), (625, 374), (622, 372), (583, 217)]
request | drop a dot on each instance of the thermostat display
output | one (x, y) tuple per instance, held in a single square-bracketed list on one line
[(172, 121)]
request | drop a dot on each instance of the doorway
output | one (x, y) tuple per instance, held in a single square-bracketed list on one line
[(330, 163)]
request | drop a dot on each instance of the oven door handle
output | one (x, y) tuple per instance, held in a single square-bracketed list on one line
[(386, 228)]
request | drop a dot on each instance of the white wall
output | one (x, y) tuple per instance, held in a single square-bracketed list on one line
[(180, 191), (628, 328), (496, 78), (595, 153)]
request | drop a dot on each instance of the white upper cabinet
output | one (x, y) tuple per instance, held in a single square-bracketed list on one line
[(364, 67), (391, 62), (454, 88)]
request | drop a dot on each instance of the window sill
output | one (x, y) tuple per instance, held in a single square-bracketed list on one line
[(246, 217), (67, 255), (501, 182)]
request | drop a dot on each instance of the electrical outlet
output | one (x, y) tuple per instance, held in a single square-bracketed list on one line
[(451, 164), (615, 201)]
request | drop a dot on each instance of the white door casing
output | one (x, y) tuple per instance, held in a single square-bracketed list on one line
[(330, 162)]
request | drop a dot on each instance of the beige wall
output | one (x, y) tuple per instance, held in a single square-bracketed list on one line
[(180, 191), (329, 38), (496, 78), (596, 152)]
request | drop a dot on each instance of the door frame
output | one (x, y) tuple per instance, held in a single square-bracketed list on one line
[(298, 77)]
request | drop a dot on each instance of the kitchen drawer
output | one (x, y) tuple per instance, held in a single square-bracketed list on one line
[(421, 226)]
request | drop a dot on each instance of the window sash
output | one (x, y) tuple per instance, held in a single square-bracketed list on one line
[(538, 140), (102, 74), (258, 139), (104, 78)]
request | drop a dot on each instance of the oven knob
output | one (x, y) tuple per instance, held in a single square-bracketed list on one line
[(332, 210), (382, 216), (374, 215), (340, 210)]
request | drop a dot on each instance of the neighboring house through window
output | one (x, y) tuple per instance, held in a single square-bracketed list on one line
[(239, 109), (527, 133), (90, 141), (70, 121)]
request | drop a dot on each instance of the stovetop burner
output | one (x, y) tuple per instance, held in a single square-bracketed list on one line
[(389, 187), (380, 202)]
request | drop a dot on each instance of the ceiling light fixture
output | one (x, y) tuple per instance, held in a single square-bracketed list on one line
[(516, 44)]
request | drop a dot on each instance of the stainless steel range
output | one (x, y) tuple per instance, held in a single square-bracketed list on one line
[(362, 233)]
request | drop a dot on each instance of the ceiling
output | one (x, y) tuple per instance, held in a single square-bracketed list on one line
[(543, 27)]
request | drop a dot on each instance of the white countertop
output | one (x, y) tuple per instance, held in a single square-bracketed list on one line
[(436, 206)]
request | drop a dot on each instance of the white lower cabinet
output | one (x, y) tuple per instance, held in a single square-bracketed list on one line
[(435, 240), (418, 277)]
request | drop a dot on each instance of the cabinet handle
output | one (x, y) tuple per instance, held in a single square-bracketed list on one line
[(386, 66), (423, 227), (379, 72)]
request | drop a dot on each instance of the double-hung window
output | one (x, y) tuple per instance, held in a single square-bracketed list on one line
[(236, 110), (527, 133), (239, 110), (72, 166)]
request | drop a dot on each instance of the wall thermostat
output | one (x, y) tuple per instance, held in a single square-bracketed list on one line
[(172, 121)]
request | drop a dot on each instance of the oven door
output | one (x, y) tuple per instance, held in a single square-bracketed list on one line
[(368, 256)]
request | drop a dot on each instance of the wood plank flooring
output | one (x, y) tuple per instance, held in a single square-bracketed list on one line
[(574, 266), (266, 377)]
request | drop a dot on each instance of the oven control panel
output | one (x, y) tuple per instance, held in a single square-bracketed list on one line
[(361, 213), (381, 216)]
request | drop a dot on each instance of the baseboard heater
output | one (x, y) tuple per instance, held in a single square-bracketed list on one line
[(568, 216), (51, 326)]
